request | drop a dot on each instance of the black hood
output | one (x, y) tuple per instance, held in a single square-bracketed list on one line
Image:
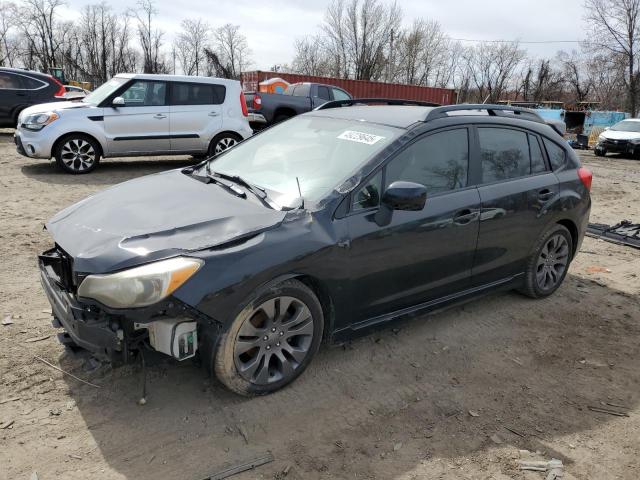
[(154, 217)]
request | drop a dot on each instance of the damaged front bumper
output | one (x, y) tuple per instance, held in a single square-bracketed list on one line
[(116, 335)]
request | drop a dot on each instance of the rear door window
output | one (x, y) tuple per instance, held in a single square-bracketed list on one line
[(323, 93), (197, 94), (504, 154), (9, 81), (557, 155), (439, 161)]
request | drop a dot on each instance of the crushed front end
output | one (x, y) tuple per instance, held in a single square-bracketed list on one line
[(118, 334)]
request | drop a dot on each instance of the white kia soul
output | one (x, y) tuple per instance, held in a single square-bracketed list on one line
[(137, 114), (623, 137)]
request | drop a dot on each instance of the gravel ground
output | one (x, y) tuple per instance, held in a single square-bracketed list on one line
[(453, 395)]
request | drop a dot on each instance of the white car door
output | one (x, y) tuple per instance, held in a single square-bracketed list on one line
[(196, 115), (141, 125)]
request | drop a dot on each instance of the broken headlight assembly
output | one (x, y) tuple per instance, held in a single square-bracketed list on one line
[(39, 120), (139, 286)]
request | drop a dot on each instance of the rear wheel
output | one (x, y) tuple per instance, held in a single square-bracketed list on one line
[(271, 341), (223, 142), (548, 265), (77, 153), (599, 152)]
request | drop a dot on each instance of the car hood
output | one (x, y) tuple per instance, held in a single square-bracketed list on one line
[(47, 107), (617, 135), (154, 217)]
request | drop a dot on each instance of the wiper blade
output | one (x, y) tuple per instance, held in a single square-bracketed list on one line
[(229, 187), (255, 189)]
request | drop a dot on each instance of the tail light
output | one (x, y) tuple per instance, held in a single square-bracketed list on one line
[(585, 177), (61, 91), (257, 101), (243, 104)]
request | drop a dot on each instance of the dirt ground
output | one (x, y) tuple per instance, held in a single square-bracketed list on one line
[(453, 395)]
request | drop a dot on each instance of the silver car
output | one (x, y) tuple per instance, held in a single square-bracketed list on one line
[(136, 114)]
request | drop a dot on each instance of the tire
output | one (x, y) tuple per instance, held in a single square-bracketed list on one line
[(599, 153), (549, 263), (249, 365), (222, 142), (77, 153)]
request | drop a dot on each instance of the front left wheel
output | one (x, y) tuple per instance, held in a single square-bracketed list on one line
[(77, 153), (271, 341)]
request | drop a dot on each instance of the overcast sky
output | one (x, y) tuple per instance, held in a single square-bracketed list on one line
[(271, 25)]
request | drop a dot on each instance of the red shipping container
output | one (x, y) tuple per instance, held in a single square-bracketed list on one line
[(357, 88)]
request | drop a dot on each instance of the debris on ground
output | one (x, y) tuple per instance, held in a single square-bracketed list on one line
[(608, 411), (623, 233), (473, 413), (36, 339), (242, 467), (244, 433), (553, 467), (6, 425), (66, 373), (7, 320)]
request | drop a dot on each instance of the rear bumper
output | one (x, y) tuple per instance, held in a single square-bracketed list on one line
[(256, 118)]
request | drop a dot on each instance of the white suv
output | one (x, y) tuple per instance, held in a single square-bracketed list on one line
[(137, 114)]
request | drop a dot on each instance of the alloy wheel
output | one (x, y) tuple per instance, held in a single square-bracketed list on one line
[(225, 144), (274, 340), (78, 154), (552, 262)]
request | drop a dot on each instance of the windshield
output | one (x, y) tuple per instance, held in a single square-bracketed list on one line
[(321, 152), (103, 91), (626, 126)]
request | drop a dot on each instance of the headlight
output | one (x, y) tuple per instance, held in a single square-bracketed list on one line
[(139, 286), (601, 138), (39, 120)]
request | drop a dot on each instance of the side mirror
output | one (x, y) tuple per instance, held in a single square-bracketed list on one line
[(117, 102), (407, 196)]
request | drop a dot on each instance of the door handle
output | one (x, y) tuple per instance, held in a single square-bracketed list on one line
[(159, 116), (21, 94), (463, 217), (545, 194), (213, 114)]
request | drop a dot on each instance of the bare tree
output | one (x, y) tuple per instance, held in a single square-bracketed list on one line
[(575, 74), (359, 34), (8, 42), (190, 44), (615, 27), (37, 21), (232, 49), (311, 57), (492, 67), (150, 38), (422, 49)]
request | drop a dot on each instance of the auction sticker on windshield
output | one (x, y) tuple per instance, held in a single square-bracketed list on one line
[(360, 137)]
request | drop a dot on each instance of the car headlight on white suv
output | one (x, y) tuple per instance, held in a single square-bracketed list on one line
[(139, 286), (601, 138), (38, 121)]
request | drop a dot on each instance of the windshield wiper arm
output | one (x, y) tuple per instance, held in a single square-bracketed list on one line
[(230, 188), (255, 189)]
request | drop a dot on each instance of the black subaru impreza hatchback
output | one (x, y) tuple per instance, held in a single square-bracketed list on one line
[(319, 228)]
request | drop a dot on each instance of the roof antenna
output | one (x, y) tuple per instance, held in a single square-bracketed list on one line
[(300, 193)]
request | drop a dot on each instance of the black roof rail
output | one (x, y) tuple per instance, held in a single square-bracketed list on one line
[(492, 110), (383, 101)]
